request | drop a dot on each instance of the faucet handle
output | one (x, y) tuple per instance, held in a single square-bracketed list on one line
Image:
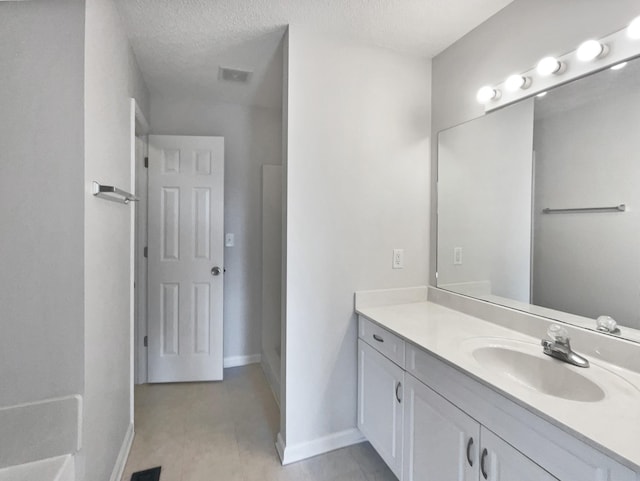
[(606, 324), (558, 333)]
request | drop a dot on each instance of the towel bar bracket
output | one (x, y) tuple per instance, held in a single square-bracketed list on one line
[(112, 193)]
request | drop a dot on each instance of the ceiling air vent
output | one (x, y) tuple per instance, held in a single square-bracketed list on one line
[(233, 75)]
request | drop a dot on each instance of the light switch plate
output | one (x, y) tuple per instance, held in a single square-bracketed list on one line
[(229, 240), (398, 259), (457, 256)]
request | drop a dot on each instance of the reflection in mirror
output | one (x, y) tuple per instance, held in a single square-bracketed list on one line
[(575, 148), (484, 204), (587, 146)]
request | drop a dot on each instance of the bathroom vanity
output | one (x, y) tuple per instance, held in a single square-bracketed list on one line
[(443, 395)]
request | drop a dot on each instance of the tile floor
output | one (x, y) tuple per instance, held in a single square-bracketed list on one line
[(225, 431)]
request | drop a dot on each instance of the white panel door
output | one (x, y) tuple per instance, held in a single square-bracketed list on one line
[(185, 258), (500, 461), (440, 441), (380, 393)]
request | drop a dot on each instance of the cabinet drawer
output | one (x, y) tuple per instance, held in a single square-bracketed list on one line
[(382, 340)]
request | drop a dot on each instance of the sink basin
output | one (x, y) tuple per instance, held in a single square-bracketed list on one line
[(538, 371), (520, 367)]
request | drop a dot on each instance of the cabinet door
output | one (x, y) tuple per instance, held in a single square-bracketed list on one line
[(380, 404), (500, 461), (441, 443)]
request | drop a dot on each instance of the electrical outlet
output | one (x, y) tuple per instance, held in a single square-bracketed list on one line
[(457, 256), (398, 259), (229, 240)]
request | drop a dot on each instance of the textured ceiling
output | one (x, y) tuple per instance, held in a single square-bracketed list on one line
[(179, 44)]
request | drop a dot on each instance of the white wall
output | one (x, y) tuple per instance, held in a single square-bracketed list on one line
[(41, 194), (357, 186), (271, 273), (484, 202), (511, 41), (111, 78), (252, 139), (41, 172), (589, 264), (65, 277)]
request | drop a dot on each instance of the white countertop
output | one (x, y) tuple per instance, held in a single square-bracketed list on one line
[(612, 425)]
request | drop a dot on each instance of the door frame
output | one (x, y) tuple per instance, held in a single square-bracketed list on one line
[(139, 127)]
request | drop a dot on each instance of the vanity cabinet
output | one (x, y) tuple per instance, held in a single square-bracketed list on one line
[(442, 442), (517, 441), (431, 422), (380, 410), (503, 462)]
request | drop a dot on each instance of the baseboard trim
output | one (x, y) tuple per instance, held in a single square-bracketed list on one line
[(280, 447), (298, 452), (236, 361), (273, 379), (121, 460)]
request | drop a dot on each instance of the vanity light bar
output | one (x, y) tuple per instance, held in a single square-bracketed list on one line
[(590, 56)]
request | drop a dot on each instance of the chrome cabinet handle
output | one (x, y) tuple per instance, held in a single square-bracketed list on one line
[(378, 338), (482, 468), (398, 386), (469, 444)]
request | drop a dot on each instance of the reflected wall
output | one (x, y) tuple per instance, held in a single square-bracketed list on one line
[(484, 204)]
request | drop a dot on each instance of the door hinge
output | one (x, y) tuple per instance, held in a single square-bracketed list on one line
[(146, 341), (146, 162), (146, 251)]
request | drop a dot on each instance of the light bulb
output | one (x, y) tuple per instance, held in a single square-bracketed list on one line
[(619, 66), (487, 94), (590, 50), (548, 66), (516, 82), (633, 30), (541, 94)]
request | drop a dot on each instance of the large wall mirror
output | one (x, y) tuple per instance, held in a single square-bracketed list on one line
[(539, 203)]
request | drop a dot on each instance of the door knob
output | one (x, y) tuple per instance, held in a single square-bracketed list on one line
[(215, 271)]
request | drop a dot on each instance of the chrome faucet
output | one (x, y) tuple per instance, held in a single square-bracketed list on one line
[(560, 347)]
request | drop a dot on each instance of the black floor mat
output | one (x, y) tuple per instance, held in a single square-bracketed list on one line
[(152, 474)]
